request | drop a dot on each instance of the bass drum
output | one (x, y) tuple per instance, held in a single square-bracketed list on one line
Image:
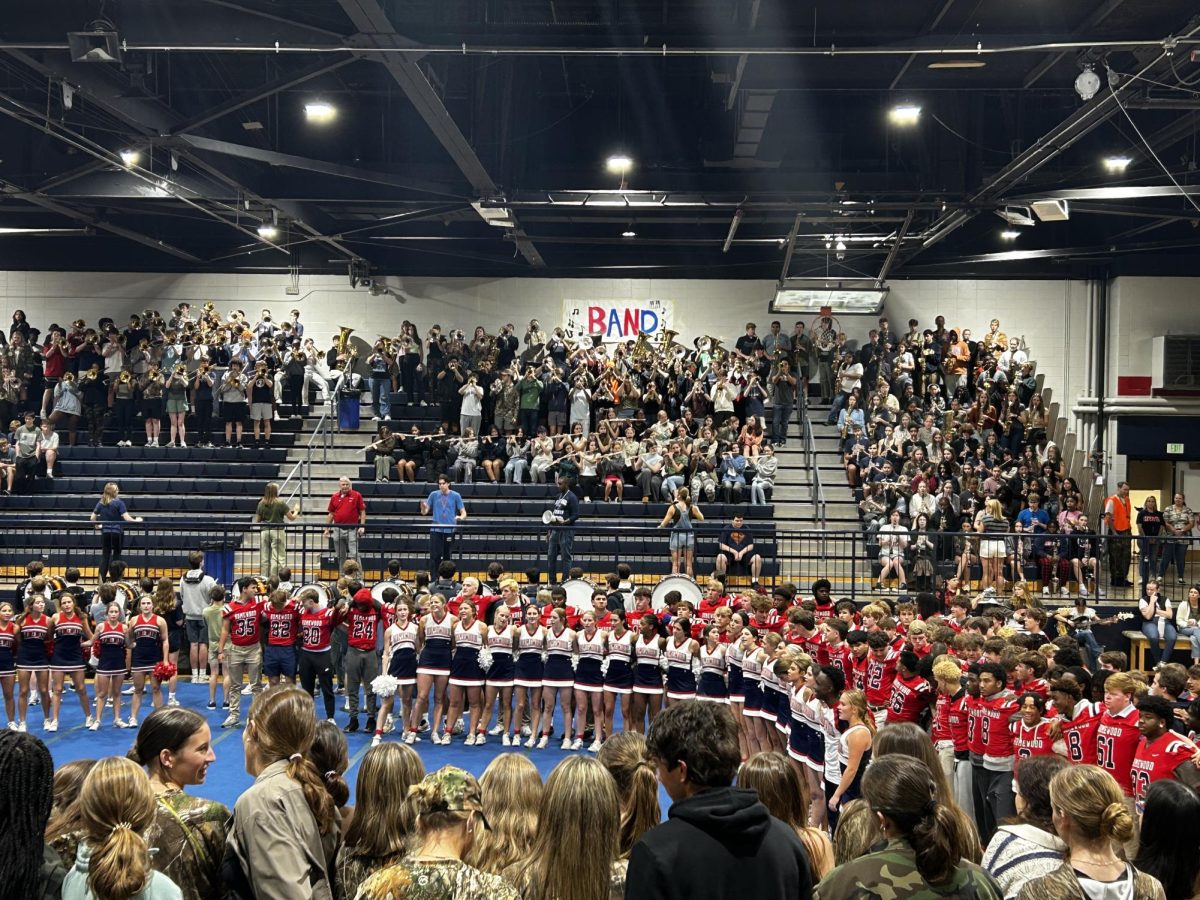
[(324, 594), (686, 585), (378, 589), (126, 593), (579, 593)]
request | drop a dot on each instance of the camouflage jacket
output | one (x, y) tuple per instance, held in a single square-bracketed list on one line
[(891, 874)]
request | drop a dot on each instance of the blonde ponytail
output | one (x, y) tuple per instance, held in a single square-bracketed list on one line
[(116, 806)]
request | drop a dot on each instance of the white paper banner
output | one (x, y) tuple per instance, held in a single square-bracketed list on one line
[(616, 321)]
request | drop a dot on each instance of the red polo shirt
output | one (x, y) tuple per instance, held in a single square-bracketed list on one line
[(347, 508)]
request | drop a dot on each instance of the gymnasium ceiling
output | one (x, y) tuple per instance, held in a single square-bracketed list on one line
[(758, 132)]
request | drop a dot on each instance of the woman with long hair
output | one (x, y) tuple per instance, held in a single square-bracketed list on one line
[(624, 755), (993, 546), (448, 811), (531, 644), (64, 831), (26, 797), (681, 516), (168, 607), (109, 651), (146, 646), (271, 514), (111, 513), (330, 755), (435, 633), (33, 663), (175, 747), (558, 678), (752, 693), (400, 662), (618, 678), (648, 648), (579, 808), (590, 644), (8, 662), (113, 862), (382, 823), (1027, 848), (70, 630), (466, 676), (1091, 816), (284, 830), (784, 791), (502, 638), (1166, 845), (512, 795), (921, 856)]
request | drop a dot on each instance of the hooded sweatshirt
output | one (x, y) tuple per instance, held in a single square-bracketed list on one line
[(718, 844), (75, 886), (194, 588)]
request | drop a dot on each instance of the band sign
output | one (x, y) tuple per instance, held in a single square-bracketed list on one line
[(616, 321)]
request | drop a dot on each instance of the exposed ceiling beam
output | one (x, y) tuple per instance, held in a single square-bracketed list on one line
[(739, 69), (262, 92), (928, 29), (895, 249), (1099, 14), (38, 199), (273, 17), (370, 20)]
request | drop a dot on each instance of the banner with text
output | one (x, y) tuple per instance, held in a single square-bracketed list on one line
[(615, 321)]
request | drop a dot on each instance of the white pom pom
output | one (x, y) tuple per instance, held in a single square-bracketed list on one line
[(696, 666), (574, 661), (604, 666), (663, 664), (384, 686), (485, 659)]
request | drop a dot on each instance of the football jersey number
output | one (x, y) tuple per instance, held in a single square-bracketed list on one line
[(875, 677), (281, 628), (986, 724), (1104, 752), (364, 628), (897, 702), (1074, 745), (1141, 783), (243, 626), (312, 634)]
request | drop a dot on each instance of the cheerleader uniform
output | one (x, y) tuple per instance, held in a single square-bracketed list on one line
[(68, 641), (752, 693), (464, 665), (403, 663), (815, 759), (8, 645), (530, 646), (558, 672), (435, 655), (502, 674), (111, 641), (733, 663), (711, 686), (147, 644), (681, 680), (619, 652), (32, 656), (588, 677), (802, 738), (855, 789), (771, 694), (647, 676)]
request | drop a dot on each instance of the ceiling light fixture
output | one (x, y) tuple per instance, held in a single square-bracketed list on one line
[(130, 157), (619, 164), (319, 112), (1117, 163), (904, 114), (628, 233), (1010, 234), (957, 64), (1087, 84), (267, 231)]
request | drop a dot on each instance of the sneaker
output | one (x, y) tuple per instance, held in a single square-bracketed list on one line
[(21, 727), (49, 473), (231, 722), (93, 724), (128, 692), (172, 701), (1083, 591), (594, 747), (352, 725), (542, 741), (506, 740), (89, 722), (470, 741), (525, 731), (445, 740), (50, 725), (567, 744), (458, 727), (224, 704), (410, 737), (248, 690), (346, 706), (1046, 591), (331, 721), (131, 722), (377, 739), (529, 743), (1064, 593), (496, 729), (12, 726), (480, 739), (212, 704), (35, 699)]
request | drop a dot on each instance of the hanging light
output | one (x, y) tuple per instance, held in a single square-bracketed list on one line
[(130, 157)]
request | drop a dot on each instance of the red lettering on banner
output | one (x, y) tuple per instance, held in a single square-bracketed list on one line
[(595, 319)]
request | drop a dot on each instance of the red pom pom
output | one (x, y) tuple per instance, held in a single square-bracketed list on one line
[(165, 671)]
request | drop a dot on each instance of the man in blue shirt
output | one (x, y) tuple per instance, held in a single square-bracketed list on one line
[(447, 509), (562, 531), (1033, 519)]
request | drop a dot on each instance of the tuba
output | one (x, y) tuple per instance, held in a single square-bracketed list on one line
[(343, 339), (643, 348)]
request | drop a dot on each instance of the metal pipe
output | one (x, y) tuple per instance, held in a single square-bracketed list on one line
[(733, 227)]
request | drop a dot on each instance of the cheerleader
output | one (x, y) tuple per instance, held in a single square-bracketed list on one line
[(752, 698), (435, 633), (773, 732), (854, 747), (712, 686), (400, 662), (146, 647), (589, 681), (501, 639), (33, 663), (618, 680), (647, 673), (531, 645), (557, 679), (680, 652), (734, 652), (109, 649), (806, 744), (466, 676), (8, 665), (70, 632)]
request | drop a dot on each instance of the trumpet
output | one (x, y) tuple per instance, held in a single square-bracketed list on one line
[(78, 324), (90, 375), (388, 347), (126, 377)]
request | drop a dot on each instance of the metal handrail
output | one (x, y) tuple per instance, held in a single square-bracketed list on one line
[(302, 470), (810, 462)]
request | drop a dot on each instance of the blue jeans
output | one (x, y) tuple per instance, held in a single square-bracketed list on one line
[(1091, 647), (381, 396), (839, 403), (1193, 635), (561, 542), (779, 422), (1150, 630), (1174, 551), (1152, 558)]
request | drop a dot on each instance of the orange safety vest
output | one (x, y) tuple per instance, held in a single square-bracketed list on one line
[(1120, 512)]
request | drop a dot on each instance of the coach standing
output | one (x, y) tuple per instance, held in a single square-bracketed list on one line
[(447, 509), (347, 516)]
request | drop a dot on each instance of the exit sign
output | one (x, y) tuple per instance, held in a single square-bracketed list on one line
[(1175, 448)]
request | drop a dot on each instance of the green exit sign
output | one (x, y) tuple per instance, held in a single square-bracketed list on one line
[(1175, 448)]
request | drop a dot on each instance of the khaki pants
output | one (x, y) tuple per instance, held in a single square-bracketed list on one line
[(241, 660), (272, 551)]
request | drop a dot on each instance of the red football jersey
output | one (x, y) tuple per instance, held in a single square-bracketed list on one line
[(316, 628), (243, 622), (909, 698), (1116, 744), (363, 626), (1157, 761), (939, 729), (880, 676), (1033, 741), (1079, 734), (821, 613), (283, 625), (997, 712), (840, 658), (959, 719), (1038, 686), (974, 709), (858, 672)]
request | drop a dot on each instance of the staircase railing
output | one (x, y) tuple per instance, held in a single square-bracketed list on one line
[(299, 477), (810, 461)]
